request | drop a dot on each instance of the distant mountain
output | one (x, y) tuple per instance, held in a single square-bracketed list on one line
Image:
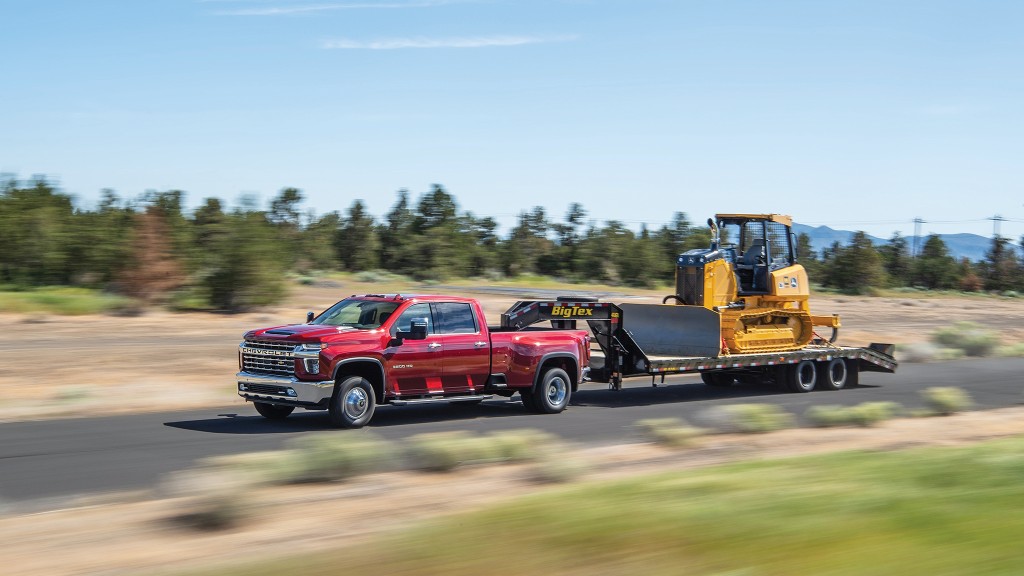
[(970, 246)]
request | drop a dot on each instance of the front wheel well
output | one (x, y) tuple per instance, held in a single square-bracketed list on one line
[(371, 371), (565, 363)]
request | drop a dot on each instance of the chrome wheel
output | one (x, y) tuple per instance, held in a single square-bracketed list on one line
[(356, 403), (551, 394), (353, 403), (557, 388)]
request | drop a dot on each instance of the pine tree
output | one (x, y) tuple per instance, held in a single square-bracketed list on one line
[(1000, 270), (857, 267), (934, 267), (896, 259)]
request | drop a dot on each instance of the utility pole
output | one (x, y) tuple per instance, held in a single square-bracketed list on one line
[(917, 234), (995, 224)]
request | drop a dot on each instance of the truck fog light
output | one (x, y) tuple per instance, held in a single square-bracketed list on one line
[(313, 366), (242, 387), (291, 392)]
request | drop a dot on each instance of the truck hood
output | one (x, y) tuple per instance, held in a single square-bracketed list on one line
[(305, 332)]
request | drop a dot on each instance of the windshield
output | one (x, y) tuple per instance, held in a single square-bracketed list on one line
[(362, 314)]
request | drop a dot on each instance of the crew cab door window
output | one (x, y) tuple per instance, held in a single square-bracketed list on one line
[(467, 351), (414, 312), (456, 318)]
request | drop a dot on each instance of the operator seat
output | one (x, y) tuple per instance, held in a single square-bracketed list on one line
[(751, 267)]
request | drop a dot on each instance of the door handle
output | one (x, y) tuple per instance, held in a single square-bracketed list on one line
[(433, 346), (480, 344)]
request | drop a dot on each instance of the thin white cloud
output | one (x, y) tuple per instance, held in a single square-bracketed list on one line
[(420, 42), (310, 8)]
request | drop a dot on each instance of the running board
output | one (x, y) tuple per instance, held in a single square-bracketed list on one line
[(472, 398)]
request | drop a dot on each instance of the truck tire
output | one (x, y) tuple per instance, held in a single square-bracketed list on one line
[(272, 412), (832, 374), (353, 403), (527, 397), (553, 391), (802, 376)]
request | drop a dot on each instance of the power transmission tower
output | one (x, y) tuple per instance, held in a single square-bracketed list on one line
[(995, 224), (917, 234)]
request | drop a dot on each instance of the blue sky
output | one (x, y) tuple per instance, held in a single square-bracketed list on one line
[(857, 114)]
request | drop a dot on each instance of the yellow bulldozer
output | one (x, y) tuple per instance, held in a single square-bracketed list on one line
[(751, 279)]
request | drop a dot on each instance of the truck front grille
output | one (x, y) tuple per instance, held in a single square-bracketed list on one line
[(274, 357)]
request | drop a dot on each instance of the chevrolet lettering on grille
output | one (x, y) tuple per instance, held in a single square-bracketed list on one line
[(265, 352)]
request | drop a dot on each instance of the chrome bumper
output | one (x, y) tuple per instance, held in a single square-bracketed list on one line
[(284, 389)]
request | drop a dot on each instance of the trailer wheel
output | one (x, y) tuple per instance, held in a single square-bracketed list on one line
[(852, 373), (272, 412), (717, 378), (833, 374), (353, 403), (553, 391), (802, 376)]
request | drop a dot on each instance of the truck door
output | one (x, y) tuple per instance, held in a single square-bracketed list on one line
[(467, 351), (414, 367)]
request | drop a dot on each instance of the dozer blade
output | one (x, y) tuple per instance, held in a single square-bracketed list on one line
[(670, 330)]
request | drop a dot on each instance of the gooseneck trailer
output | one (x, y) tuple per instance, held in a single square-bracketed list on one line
[(649, 340)]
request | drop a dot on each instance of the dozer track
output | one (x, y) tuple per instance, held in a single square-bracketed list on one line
[(766, 330)]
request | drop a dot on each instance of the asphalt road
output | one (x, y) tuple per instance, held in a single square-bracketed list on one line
[(44, 463)]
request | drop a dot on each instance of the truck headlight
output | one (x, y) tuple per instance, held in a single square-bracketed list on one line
[(312, 366), (311, 347)]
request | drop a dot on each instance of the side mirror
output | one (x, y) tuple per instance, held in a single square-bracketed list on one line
[(417, 331), (309, 317)]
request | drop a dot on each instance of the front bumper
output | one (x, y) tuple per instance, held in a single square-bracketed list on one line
[(284, 390)]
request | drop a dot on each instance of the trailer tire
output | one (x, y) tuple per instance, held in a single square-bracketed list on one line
[(852, 373), (802, 376), (721, 379), (553, 391), (272, 412), (353, 403), (833, 374)]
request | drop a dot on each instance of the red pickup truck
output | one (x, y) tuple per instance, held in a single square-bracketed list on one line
[(370, 350)]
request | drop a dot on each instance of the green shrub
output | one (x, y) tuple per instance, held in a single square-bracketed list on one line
[(950, 354), (215, 511), (522, 445), (558, 466), (917, 352), (258, 468), (828, 416), (946, 400), (63, 300), (750, 418), (671, 432), (871, 413), (970, 337), (444, 451), (1011, 350), (333, 456), (213, 498), (865, 414)]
